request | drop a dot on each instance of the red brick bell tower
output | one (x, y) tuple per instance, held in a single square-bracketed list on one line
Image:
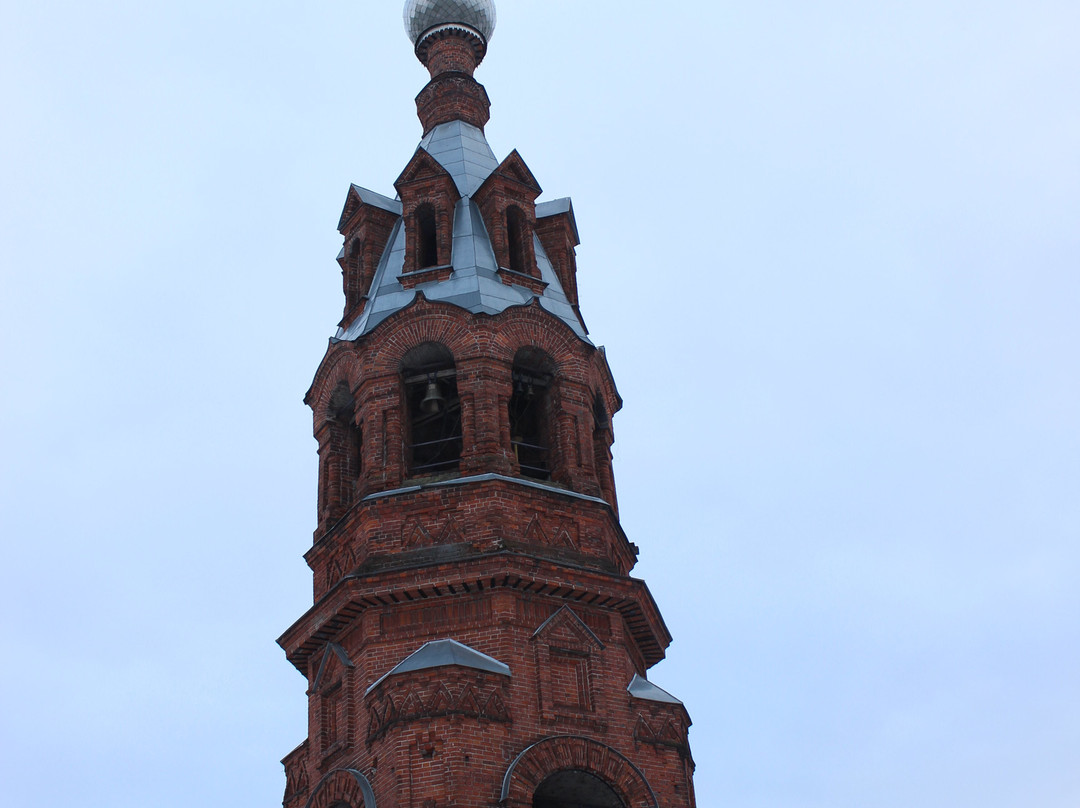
[(476, 639)]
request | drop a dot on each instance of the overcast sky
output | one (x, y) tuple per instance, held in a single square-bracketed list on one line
[(832, 248)]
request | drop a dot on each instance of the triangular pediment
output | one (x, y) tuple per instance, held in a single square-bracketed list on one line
[(358, 197), (444, 653), (421, 167), (566, 630), (514, 168), (334, 662)]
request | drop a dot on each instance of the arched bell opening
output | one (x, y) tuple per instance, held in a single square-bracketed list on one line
[(575, 789), (341, 454), (433, 408), (530, 413)]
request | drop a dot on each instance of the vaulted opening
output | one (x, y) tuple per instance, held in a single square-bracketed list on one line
[(575, 789), (342, 454), (433, 409), (530, 413), (427, 237), (515, 238)]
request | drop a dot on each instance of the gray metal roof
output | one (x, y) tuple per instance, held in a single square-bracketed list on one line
[(463, 151), (641, 688), (378, 200), (441, 653), (474, 284), (423, 15), (555, 207)]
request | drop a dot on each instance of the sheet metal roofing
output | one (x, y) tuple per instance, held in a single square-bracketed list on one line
[(641, 688), (463, 151), (474, 285), (423, 15), (442, 653)]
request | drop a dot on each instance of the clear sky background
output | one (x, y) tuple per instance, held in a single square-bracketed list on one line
[(832, 249)]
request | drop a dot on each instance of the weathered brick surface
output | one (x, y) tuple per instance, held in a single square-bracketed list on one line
[(535, 573)]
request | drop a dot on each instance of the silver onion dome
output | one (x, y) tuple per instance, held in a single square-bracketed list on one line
[(423, 16)]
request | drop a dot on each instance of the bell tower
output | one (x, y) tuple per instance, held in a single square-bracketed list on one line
[(476, 637)]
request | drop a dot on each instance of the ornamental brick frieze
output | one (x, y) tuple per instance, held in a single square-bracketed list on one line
[(384, 530), (660, 730), (406, 699), (296, 775)]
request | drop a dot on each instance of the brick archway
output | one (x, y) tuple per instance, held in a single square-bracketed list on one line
[(574, 753), (342, 786)]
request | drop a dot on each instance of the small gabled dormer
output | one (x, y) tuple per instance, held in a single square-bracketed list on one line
[(428, 197), (366, 223), (558, 233), (507, 201)]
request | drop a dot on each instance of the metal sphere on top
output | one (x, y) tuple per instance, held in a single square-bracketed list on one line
[(425, 17)]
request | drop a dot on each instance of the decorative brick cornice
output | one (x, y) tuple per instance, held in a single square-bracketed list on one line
[(453, 96)]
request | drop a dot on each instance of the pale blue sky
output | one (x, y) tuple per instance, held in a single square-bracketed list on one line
[(832, 249)]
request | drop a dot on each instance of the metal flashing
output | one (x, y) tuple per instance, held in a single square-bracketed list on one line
[(343, 658), (554, 208), (642, 688), (377, 200), (444, 653), (483, 478), (463, 151)]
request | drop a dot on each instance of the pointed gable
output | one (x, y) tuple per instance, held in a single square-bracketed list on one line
[(421, 167), (514, 169), (566, 630), (443, 653), (641, 688), (358, 197), (334, 662)]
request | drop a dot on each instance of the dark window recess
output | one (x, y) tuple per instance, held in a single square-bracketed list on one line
[(575, 789), (427, 237), (529, 434), (515, 239), (434, 410)]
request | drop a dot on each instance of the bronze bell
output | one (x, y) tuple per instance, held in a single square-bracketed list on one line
[(433, 400)]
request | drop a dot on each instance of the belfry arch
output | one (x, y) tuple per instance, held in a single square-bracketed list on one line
[(575, 789), (554, 772)]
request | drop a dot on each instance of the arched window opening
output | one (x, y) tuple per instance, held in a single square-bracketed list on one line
[(434, 440), (427, 238), (530, 431), (575, 789), (600, 417), (355, 253), (341, 455), (515, 238), (348, 436)]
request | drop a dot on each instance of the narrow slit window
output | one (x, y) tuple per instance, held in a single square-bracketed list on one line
[(515, 238), (427, 237)]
